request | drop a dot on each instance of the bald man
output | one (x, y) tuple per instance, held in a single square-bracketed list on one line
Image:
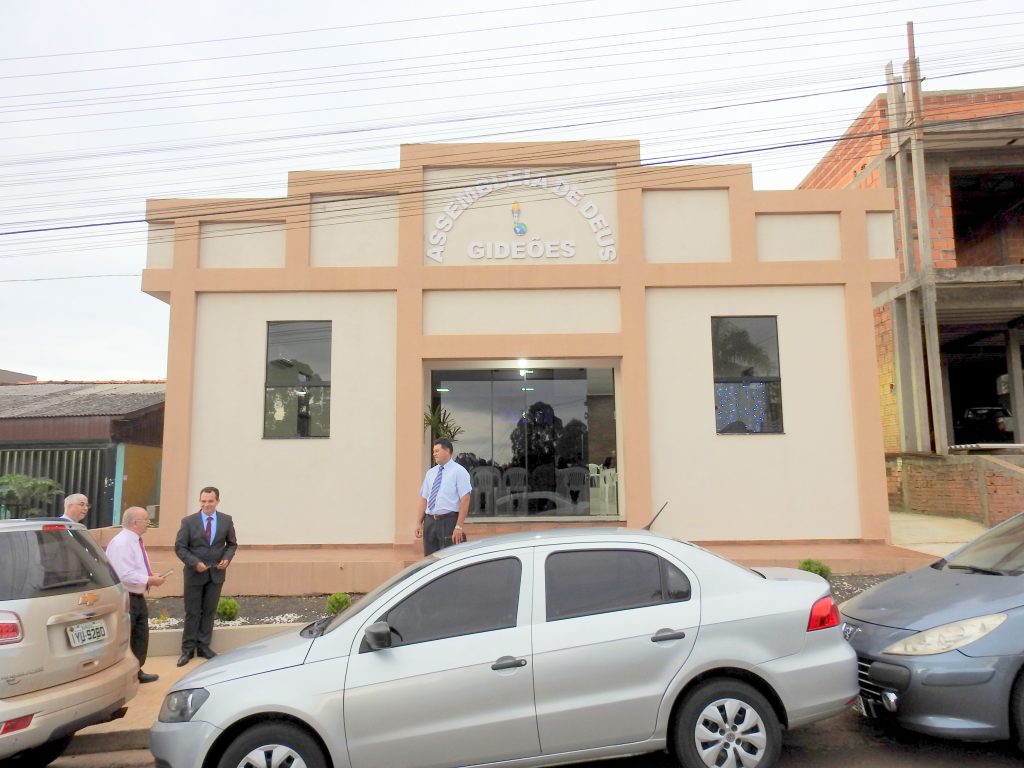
[(128, 557)]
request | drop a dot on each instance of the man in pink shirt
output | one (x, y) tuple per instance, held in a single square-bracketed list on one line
[(127, 556)]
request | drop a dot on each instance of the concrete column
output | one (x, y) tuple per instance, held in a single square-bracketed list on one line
[(931, 343), (1016, 382), (910, 352)]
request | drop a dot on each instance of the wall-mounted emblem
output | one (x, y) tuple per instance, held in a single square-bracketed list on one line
[(517, 226), (535, 248)]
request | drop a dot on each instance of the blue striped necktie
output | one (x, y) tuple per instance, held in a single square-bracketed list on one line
[(435, 488)]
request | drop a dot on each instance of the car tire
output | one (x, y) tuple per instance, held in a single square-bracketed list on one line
[(273, 744), (41, 756), (1017, 711), (723, 716)]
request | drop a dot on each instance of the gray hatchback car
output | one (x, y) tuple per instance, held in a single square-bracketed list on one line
[(941, 649), (64, 661), (529, 649)]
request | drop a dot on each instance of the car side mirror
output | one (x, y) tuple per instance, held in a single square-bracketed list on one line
[(378, 635)]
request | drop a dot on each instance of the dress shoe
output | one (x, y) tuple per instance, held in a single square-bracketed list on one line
[(145, 677), (183, 659), (206, 653)]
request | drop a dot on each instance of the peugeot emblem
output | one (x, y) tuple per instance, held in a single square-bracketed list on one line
[(849, 630)]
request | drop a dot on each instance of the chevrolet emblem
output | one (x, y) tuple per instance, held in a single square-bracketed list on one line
[(89, 598)]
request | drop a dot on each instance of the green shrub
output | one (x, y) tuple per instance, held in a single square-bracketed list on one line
[(816, 566), (227, 609), (339, 601)]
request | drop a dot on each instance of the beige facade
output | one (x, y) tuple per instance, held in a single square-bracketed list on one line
[(497, 257)]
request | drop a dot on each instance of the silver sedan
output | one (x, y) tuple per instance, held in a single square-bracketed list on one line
[(530, 649)]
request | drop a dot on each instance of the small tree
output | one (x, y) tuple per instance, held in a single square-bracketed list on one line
[(27, 495)]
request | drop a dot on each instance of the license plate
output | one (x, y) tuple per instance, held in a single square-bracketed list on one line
[(865, 707), (87, 632)]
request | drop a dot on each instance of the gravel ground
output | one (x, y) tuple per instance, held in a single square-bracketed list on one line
[(169, 612)]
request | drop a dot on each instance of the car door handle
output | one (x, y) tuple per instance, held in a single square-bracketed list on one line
[(668, 634), (508, 662)]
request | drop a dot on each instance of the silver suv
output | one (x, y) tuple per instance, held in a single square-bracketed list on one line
[(64, 661)]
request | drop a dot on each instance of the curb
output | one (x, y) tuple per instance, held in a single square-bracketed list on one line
[(114, 741), (165, 643)]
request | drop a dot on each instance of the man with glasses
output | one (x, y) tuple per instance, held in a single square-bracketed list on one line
[(76, 507), (127, 555)]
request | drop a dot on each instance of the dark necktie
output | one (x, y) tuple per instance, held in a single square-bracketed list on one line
[(149, 569), (209, 530)]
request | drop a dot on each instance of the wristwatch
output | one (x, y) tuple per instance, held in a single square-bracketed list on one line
[(458, 527)]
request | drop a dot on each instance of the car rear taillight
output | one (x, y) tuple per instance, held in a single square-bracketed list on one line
[(10, 628), (17, 724), (824, 614)]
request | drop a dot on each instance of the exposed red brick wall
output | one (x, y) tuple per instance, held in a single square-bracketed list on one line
[(1001, 245), (940, 214), (952, 486), (943, 488), (1005, 496), (960, 105), (894, 482), (853, 151), (1013, 240), (846, 165), (886, 357)]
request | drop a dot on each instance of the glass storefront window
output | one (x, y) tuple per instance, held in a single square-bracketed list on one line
[(535, 441)]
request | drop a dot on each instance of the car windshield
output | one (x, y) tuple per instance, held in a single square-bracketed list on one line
[(49, 562), (342, 616), (1000, 550)]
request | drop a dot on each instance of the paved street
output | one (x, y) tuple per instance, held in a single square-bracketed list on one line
[(844, 741)]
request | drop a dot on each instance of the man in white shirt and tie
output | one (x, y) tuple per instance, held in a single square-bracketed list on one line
[(127, 555), (444, 500)]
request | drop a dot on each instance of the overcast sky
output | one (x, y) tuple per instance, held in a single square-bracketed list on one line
[(106, 104)]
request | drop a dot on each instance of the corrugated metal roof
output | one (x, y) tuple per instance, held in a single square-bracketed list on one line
[(49, 399)]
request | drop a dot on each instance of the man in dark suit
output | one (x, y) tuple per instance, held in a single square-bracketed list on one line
[(205, 544)]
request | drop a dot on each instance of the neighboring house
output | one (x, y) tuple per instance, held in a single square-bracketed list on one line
[(949, 333), (100, 438), (13, 377), (609, 336)]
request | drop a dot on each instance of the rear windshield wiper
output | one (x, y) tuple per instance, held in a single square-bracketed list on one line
[(975, 569)]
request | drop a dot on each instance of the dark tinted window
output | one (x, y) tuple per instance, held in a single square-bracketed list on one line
[(477, 598), (599, 581), (297, 401), (40, 563), (748, 384)]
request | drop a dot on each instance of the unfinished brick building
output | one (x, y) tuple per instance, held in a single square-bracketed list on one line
[(948, 335)]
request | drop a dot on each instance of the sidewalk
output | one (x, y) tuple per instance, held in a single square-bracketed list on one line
[(917, 540), (131, 732)]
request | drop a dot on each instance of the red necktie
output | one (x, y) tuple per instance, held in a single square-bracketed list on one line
[(145, 557), (209, 537)]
